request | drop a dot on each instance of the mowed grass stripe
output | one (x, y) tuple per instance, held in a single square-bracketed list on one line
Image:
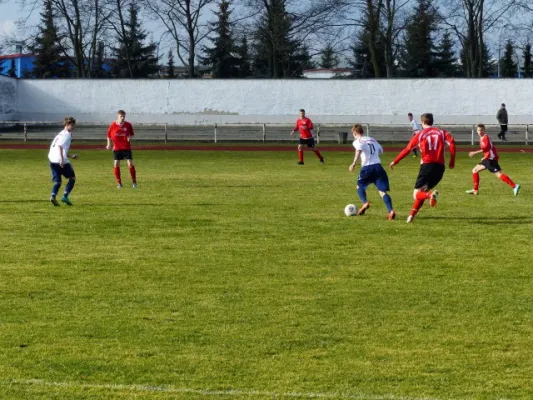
[(232, 271)]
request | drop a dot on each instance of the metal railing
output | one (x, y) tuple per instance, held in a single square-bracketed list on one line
[(324, 133)]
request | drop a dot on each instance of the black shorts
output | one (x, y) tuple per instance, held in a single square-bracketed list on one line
[(503, 128), (309, 142), (429, 176), (491, 165), (57, 171), (122, 155)]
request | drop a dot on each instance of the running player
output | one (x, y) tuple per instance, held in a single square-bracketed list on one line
[(368, 150), (415, 127), (489, 162), (430, 140), (305, 126)]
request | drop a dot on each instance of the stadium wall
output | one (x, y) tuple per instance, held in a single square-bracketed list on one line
[(8, 98), (207, 101)]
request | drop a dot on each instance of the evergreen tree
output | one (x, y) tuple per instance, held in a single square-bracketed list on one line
[(507, 65), (12, 71), (528, 67), (419, 54), (49, 62), (276, 54), (361, 61), (488, 67), (445, 62), (98, 66), (328, 59), (222, 58), (134, 59), (243, 55), (171, 72)]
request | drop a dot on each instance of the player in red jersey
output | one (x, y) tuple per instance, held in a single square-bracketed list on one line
[(120, 133), (305, 126), (430, 140), (489, 161)]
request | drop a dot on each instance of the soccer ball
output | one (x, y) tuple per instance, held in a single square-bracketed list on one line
[(350, 210)]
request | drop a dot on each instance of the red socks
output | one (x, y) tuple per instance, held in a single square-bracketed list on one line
[(301, 155), (133, 174), (116, 171), (507, 180), (318, 154), (422, 196), (475, 177)]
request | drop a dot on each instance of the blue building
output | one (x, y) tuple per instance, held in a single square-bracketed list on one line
[(23, 64)]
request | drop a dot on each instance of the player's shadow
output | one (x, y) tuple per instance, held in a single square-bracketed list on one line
[(518, 220)]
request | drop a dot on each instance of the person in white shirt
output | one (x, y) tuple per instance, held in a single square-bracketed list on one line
[(59, 162), (368, 150), (415, 127)]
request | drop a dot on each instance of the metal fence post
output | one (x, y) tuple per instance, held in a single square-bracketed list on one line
[(264, 132), (318, 135), (215, 133), (367, 129), (166, 133), (527, 134), (25, 132), (472, 138)]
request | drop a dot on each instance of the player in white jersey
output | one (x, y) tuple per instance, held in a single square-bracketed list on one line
[(368, 150), (59, 162), (415, 127)]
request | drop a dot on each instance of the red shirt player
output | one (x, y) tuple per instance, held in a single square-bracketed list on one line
[(120, 133), (305, 126), (430, 140), (489, 161)]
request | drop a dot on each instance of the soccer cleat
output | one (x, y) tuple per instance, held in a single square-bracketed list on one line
[(322, 161), (433, 198), (300, 163), (410, 218), (54, 201), (392, 215), (363, 208), (135, 186), (414, 155), (66, 200), (119, 186), (516, 189), (472, 191)]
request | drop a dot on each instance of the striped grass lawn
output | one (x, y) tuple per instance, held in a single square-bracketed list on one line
[(235, 275)]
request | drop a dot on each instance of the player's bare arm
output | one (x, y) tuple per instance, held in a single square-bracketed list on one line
[(473, 153), (356, 158)]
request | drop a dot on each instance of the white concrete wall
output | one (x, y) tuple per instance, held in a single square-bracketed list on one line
[(275, 101), (8, 98)]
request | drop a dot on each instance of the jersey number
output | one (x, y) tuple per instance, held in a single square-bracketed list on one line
[(433, 142), (372, 148)]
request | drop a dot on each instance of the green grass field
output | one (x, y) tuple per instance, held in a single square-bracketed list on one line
[(234, 275)]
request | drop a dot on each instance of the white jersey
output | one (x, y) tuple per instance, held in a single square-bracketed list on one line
[(63, 139), (370, 150), (416, 126)]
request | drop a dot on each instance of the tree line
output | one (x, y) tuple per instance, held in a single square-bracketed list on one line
[(282, 38)]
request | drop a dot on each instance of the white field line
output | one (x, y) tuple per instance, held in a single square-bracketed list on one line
[(205, 392)]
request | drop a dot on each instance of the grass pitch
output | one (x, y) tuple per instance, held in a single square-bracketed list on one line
[(235, 275)]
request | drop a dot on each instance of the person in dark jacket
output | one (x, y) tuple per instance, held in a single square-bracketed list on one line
[(503, 119)]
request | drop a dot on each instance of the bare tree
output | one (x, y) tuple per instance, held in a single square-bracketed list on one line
[(471, 20), (182, 20)]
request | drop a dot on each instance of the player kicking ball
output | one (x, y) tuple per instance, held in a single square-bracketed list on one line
[(430, 141), (489, 162), (305, 126), (368, 150)]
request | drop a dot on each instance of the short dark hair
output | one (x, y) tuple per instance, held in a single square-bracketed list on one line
[(409, 114), (427, 119), (121, 112), (482, 126), (503, 104), (69, 121), (302, 110)]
